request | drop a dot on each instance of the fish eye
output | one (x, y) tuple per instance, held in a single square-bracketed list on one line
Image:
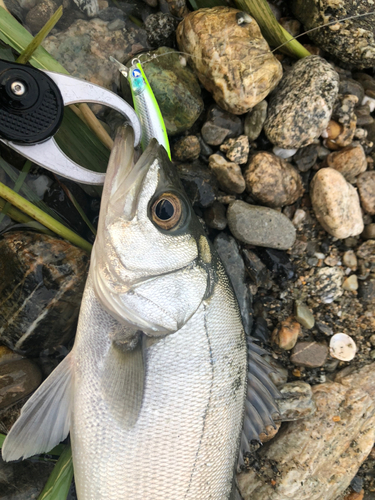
[(166, 211)]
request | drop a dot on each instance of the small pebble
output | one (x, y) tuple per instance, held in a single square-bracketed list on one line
[(342, 347), (370, 102), (323, 328), (220, 125), (228, 174), (369, 232), (299, 217), (187, 148), (303, 315), (309, 354), (254, 120), (350, 161), (349, 259), (236, 150), (287, 334), (357, 484), (366, 189), (306, 157), (270, 432), (284, 153)]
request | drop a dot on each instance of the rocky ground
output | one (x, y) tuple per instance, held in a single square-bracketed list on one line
[(277, 157)]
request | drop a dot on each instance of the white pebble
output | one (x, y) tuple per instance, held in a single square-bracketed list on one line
[(342, 347), (319, 255), (370, 102), (284, 153)]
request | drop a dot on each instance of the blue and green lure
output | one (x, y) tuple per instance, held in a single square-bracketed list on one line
[(145, 105)]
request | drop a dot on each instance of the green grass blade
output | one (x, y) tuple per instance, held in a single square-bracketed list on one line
[(79, 209), (21, 179), (58, 484), (2, 439)]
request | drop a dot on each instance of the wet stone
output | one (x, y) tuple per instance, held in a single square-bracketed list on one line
[(199, 182), (257, 271), (228, 251), (309, 354), (254, 120), (301, 107), (336, 204), (303, 315), (297, 401), (306, 157), (38, 16), (353, 87), (366, 189), (220, 125), (160, 29), (53, 274), (236, 150), (228, 174), (260, 226), (17, 380), (350, 161), (369, 232), (272, 181), (286, 335), (187, 148), (215, 217)]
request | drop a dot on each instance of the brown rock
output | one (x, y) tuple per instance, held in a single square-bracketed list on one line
[(336, 204), (350, 161), (287, 334), (237, 149), (17, 380), (369, 232), (309, 354), (232, 61), (38, 16), (366, 189), (272, 181), (270, 432), (177, 7), (353, 495), (7, 355), (187, 148), (228, 174), (333, 130)]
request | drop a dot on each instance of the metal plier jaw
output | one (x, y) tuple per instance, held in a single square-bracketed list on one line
[(31, 110)]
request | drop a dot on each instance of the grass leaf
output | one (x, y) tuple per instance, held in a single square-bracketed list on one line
[(60, 479)]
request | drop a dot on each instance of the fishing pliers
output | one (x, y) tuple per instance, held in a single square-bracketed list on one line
[(31, 111)]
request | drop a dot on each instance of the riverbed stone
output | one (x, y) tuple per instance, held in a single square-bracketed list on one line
[(232, 61), (37, 17), (254, 120), (366, 189), (317, 457), (297, 401), (336, 204), (301, 107), (220, 125), (160, 29), (286, 335), (350, 161), (260, 226), (237, 149), (215, 216), (187, 148), (310, 354), (17, 380), (228, 174), (199, 182), (272, 181)]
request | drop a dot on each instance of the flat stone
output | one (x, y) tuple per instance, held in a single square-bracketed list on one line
[(309, 354), (297, 401), (272, 181), (220, 125), (236, 150), (317, 457), (187, 148), (228, 174), (286, 335), (350, 161), (303, 315), (254, 120), (336, 204), (17, 380), (366, 189), (260, 226), (301, 107)]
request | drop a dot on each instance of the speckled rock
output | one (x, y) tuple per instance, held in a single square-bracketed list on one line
[(272, 181), (336, 204), (187, 148), (366, 251), (326, 284), (84, 49), (232, 61), (366, 189), (301, 106), (237, 149), (88, 7), (220, 125), (176, 89), (42, 313), (317, 457), (160, 29), (260, 226), (270, 432), (177, 8), (350, 161), (17, 380), (344, 114), (286, 335), (37, 17), (254, 120), (309, 354), (228, 174), (351, 41), (297, 401), (353, 87)]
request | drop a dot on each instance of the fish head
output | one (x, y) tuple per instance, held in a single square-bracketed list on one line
[(152, 264)]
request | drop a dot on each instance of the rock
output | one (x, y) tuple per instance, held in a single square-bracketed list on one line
[(38, 16), (254, 120), (228, 174), (111, 14), (327, 284), (366, 291), (160, 29), (297, 401), (7, 355), (350, 161), (215, 217), (353, 87), (272, 181), (220, 125), (17, 380), (232, 61), (270, 433), (352, 41), (177, 8), (342, 347), (286, 335), (261, 226), (227, 249), (257, 271), (355, 495), (349, 259), (366, 251), (236, 150), (187, 148), (366, 189), (309, 354), (351, 283), (206, 150), (84, 49), (52, 273), (175, 87), (369, 232), (301, 106), (363, 115), (278, 263), (303, 315), (336, 204), (344, 114), (317, 457), (306, 157), (199, 182)]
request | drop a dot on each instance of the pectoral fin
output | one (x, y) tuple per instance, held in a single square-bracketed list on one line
[(45, 418)]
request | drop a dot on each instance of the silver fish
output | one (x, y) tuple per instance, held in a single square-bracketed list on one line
[(161, 379)]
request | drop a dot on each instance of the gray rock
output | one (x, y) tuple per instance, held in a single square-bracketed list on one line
[(297, 401), (215, 217), (301, 106), (260, 226), (199, 182), (353, 87), (306, 157), (254, 120), (220, 125), (228, 251), (317, 457), (303, 315)]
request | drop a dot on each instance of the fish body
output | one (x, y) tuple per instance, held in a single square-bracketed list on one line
[(160, 378)]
